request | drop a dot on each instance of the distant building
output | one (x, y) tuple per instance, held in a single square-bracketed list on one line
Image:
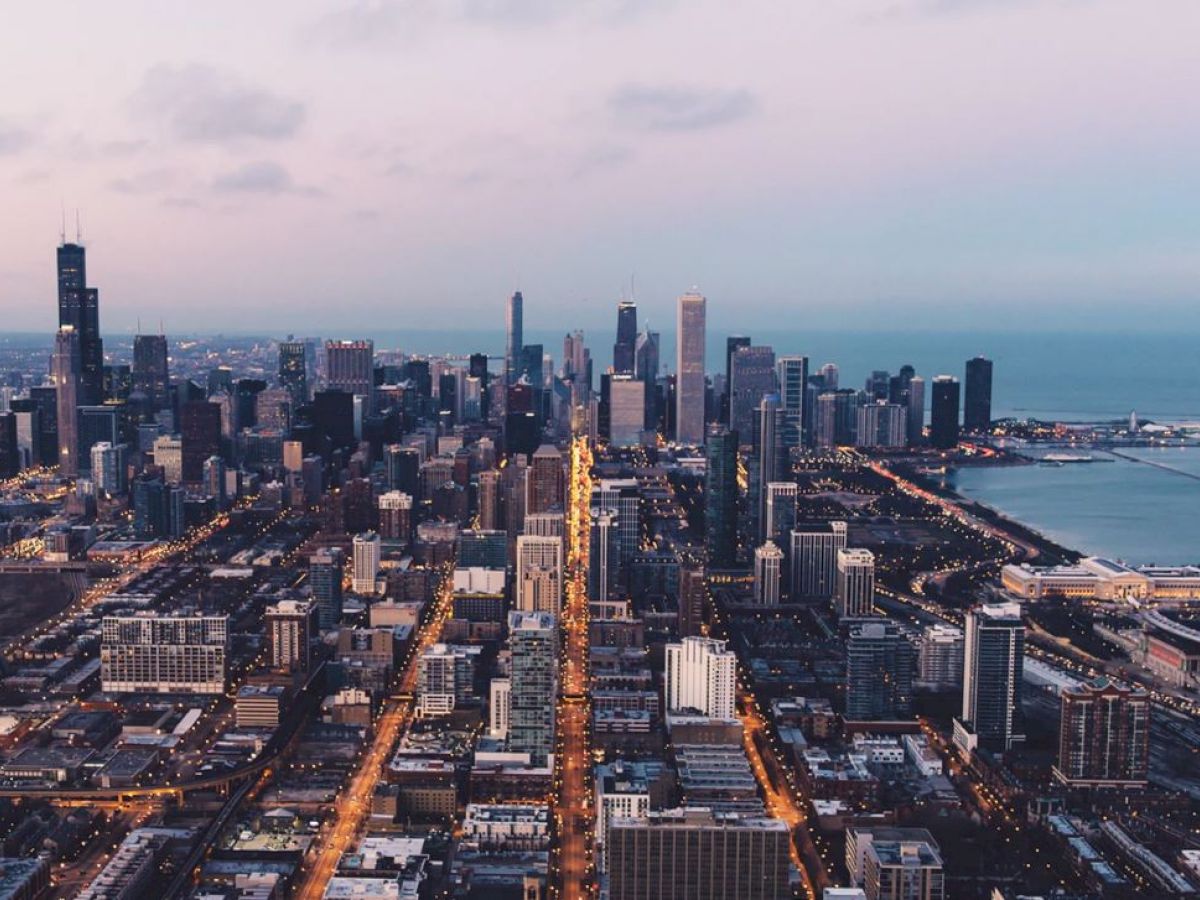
[(1104, 736), (791, 374), (689, 368), (751, 377), (539, 574), (293, 370), (701, 675), (943, 421), (815, 546), (720, 498), (977, 396), (367, 556), (350, 367), (768, 563), (881, 424), (627, 411), (325, 570), (854, 591)]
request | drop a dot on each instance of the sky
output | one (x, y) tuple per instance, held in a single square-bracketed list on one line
[(320, 167)]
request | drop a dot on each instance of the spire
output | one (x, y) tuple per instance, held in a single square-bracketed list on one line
[(78, 228)]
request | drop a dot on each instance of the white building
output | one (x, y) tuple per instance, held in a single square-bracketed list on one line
[(701, 675), (1102, 579), (176, 654), (168, 455), (854, 592), (768, 566), (499, 708), (539, 574), (108, 467), (627, 410), (940, 655), (814, 559), (445, 678), (367, 555)]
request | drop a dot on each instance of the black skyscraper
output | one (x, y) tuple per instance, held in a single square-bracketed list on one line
[(293, 370), (733, 343), (200, 433), (623, 349), (943, 422), (79, 307), (150, 375), (977, 395), (720, 498)]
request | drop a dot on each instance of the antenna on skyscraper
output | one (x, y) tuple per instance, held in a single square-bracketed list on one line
[(139, 321), (632, 289), (161, 329), (78, 228), (62, 234)]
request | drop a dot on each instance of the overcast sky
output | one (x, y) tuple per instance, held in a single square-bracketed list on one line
[(330, 167)]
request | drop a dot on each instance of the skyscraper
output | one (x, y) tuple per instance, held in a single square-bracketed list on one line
[(916, 410), (768, 565), (515, 330), (350, 367), (79, 308), (626, 343), (769, 452), (977, 396), (366, 562), (293, 370), (546, 481), (150, 376), (720, 498), (701, 676), (64, 368), (879, 669), (627, 410), (854, 592), (200, 430), (291, 630), (943, 419), (751, 377), (881, 424), (791, 374), (1104, 736), (779, 509), (689, 368), (994, 659), (815, 546), (325, 578), (533, 638), (733, 343), (539, 574)]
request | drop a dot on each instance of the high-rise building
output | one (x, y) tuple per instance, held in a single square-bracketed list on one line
[(881, 424), (79, 310), (150, 375), (515, 331), (686, 853), (689, 368), (200, 433), (1104, 736), (489, 500), (293, 370), (879, 667), (854, 592), (533, 639), (791, 374), (174, 654), (733, 343), (66, 372), (108, 467), (693, 594), (701, 675), (903, 870), (604, 559), (940, 655), (402, 466), (291, 630), (539, 574), (367, 557), (325, 569), (168, 455), (720, 498), (158, 512), (993, 662), (834, 418), (815, 546), (546, 482), (627, 410), (751, 377), (779, 509), (445, 678), (213, 481), (350, 367), (499, 708), (769, 455), (977, 396), (943, 415), (768, 565), (916, 410), (626, 343)]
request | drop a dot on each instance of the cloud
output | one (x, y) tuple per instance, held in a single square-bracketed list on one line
[(151, 181), (199, 103), (919, 9), (262, 177), (600, 158), (13, 139), (664, 108)]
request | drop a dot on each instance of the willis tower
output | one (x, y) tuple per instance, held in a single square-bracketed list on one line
[(79, 308)]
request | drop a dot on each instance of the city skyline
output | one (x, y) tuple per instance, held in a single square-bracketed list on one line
[(762, 179)]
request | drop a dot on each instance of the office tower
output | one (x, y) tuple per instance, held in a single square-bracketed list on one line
[(150, 376), (151, 653), (693, 596), (733, 343), (291, 630), (815, 546), (574, 360), (499, 708), (769, 455), (903, 870), (627, 410), (333, 418), (273, 410), (915, 414), (701, 675), (623, 349), (45, 400), (546, 482), (689, 368), (118, 383), (79, 310), (168, 455), (881, 424), (481, 549), (876, 387), (325, 569), (646, 368), (539, 574), (791, 374), (603, 554), (489, 500), (515, 330), (993, 662), (219, 381), (366, 563), (533, 640), (943, 416), (1104, 736), (200, 435), (720, 499), (108, 467), (940, 655), (157, 508), (779, 510), (24, 445), (686, 853), (977, 396), (751, 376), (395, 516), (854, 591), (350, 367), (445, 678), (879, 667), (97, 424), (834, 418), (624, 496), (213, 480), (402, 466), (829, 376), (293, 370), (768, 566), (546, 525), (65, 369)]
